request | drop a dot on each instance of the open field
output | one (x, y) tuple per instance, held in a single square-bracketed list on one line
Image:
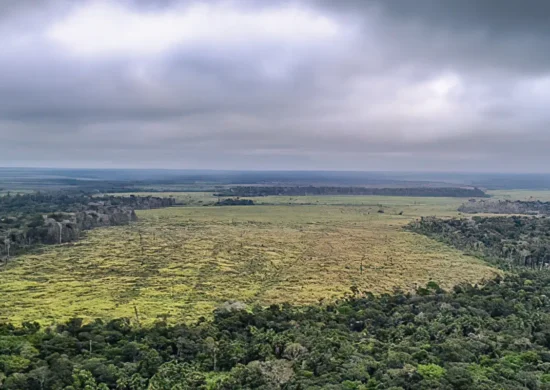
[(206, 198), (414, 206), (542, 195), (191, 259)]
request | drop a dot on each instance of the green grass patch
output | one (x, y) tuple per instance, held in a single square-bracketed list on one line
[(542, 195)]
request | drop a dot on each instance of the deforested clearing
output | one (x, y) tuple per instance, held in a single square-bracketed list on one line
[(182, 262)]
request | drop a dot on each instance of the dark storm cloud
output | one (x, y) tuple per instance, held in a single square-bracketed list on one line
[(276, 84), (490, 34)]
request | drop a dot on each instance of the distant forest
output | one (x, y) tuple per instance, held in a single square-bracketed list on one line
[(58, 217), (234, 202), (508, 241), (505, 207), (255, 191)]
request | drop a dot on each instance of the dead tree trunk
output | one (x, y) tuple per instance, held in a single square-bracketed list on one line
[(60, 225)]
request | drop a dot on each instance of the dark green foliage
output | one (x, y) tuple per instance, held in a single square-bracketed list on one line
[(55, 217), (505, 207), (69, 202), (507, 241), (491, 337), (250, 191), (235, 202)]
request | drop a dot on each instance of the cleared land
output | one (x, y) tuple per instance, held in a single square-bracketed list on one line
[(415, 206), (184, 261), (542, 195)]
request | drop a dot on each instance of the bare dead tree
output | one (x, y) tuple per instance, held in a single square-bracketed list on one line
[(140, 242), (7, 245), (212, 347), (60, 225), (137, 316), (135, 229)]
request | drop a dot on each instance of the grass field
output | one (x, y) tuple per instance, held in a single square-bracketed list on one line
[(206, 198), (542, 195), (190, 259), (415, 206)]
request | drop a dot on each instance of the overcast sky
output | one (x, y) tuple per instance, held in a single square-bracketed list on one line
[(460, 85)]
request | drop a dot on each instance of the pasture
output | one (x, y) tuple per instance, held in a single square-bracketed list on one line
[(527, 195)]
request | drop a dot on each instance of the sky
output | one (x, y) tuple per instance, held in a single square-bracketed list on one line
[(424, 85)]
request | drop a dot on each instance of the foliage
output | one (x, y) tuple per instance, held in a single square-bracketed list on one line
[(56, 217), (508, 241), (235, 202), (431, 371), (70, 202), (505, 207)]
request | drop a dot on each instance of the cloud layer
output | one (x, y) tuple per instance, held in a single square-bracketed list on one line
[(357, 85)]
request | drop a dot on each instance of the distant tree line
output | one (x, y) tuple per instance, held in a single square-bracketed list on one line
[(235, 202), (253, 191), (64, 201), (505, 207), (509, 241), (58, 217)]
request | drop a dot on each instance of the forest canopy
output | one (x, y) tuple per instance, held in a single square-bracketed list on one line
[(59, 217), (507, 241)]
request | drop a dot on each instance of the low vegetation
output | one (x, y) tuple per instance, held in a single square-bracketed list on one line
[(525, 195), (414, 206), (185, 261), (508, 241)]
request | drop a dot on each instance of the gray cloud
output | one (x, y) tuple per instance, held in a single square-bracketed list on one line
[(366, 85)]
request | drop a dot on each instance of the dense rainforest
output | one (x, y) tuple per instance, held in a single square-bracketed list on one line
[(505, 207), (252, 191), (58, 217), (508, 241)]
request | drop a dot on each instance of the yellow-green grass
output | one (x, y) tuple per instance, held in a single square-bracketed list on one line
[(415, 206), (191, 259), (542, 195), (206, 198)]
